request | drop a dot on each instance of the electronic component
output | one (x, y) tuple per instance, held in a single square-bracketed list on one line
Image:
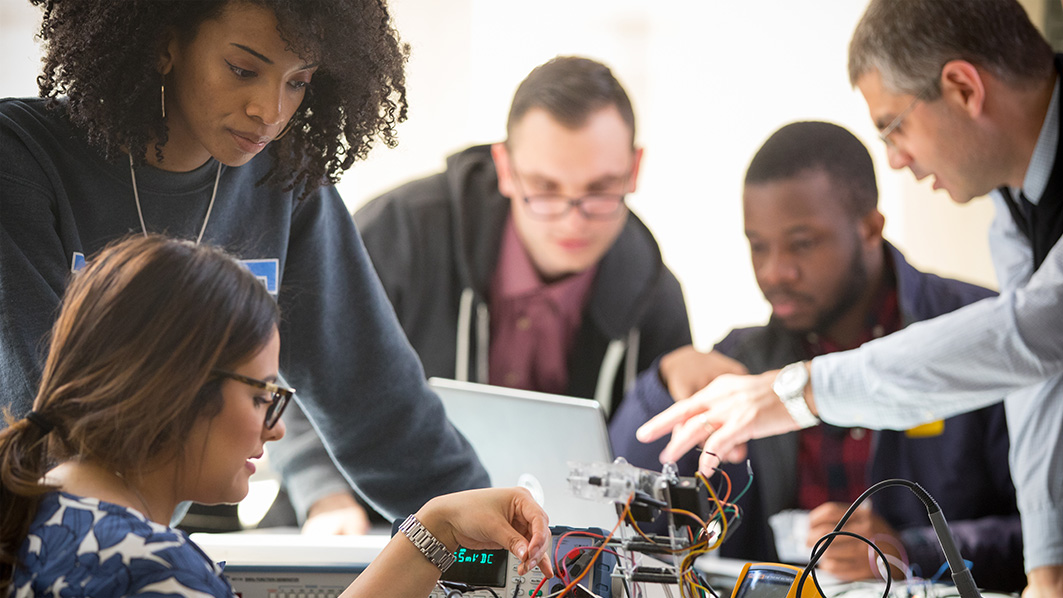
[(291, 565), (772, 580), (479, 567), (493, 573)]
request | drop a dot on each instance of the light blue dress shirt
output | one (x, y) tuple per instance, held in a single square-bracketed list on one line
[(1009, 346)]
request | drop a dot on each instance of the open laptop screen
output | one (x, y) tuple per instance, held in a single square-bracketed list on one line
[(527, 439)]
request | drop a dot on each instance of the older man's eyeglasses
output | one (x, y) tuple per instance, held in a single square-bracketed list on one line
[(885, 132), (552, 206), (279, 396)]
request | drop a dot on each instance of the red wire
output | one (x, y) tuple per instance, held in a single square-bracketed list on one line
[(599, 550), (728, 478), (578, 549), (561, 538)]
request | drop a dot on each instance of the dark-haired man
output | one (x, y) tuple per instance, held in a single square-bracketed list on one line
[(815, 238), (966, 91), (521, 265)]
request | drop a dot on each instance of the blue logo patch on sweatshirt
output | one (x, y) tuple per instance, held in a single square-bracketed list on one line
[(267, 271)]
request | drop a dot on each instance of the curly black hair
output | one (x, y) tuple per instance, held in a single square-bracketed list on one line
[(101, 55)]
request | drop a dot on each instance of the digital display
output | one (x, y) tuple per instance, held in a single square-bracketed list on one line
[(479, 567), (765, 583)]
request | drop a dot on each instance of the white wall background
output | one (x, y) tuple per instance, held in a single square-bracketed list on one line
[(710, 80)]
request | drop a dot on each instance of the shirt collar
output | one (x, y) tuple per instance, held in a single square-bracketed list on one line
[(1044, 153)]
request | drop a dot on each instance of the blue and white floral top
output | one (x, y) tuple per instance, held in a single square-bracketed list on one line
[(80, 546)]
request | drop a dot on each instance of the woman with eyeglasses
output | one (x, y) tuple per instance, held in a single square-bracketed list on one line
[(160, 387), (227, 122)]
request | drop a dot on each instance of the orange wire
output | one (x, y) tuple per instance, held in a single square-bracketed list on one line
[(597, 553), (727, 496)]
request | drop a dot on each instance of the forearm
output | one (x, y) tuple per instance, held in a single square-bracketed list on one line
[(399, 570), (958, 362), (506, 518), (364, 386), (924, 373)]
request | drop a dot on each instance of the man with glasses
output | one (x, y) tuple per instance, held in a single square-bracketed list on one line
[(521, 265), (968, 92)]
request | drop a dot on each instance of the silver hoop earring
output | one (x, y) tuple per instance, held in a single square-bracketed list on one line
[(162, 95)]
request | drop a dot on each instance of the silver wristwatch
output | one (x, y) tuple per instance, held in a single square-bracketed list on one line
[(434, 550), (790, 386)]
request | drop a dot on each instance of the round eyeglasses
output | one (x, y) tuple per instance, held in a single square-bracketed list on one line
[(593, 206), (552, 206), (279, 395)]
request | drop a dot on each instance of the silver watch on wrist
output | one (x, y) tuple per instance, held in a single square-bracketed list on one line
[(435, 551), (790, 386)]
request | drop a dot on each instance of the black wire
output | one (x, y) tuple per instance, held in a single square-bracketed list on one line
[(705, 583), (448, 592), (457, 588), (924, 496), (829, 538), (733, 522)]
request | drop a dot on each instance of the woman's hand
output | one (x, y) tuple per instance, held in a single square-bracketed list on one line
[(491, 518), (478, 519)]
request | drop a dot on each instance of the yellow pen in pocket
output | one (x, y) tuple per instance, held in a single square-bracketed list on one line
[(927, 430)]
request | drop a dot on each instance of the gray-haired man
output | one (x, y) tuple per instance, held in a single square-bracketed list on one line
[(966, 91)]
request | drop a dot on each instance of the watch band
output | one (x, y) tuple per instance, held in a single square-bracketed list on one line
[(799, 410), (790, 387), (435, 551)]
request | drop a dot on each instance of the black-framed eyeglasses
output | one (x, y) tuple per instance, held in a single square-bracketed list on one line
[(552, 206), (280, 396)]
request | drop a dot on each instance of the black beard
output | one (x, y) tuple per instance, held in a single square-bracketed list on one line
[(856, 281)]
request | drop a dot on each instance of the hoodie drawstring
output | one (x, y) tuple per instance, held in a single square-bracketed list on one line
[(626, 350), (465, 332), (461, 355), (483, 342), (619, 350)]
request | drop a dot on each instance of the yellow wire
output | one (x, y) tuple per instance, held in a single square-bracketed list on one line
[(695, 550), (688, 514), (719, 507)]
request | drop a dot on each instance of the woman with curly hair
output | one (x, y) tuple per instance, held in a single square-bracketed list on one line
[(227, 122), (161, 386)]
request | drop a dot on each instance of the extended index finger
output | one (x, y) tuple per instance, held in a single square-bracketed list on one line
[(665, 421)]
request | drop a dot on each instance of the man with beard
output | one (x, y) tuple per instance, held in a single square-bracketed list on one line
[(815, 238)]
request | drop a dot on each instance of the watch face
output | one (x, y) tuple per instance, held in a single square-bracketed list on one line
[(791, 380)]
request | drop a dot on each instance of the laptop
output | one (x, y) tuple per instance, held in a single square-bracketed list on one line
[(528, 439)]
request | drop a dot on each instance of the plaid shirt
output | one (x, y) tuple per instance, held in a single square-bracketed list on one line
[(832, 462)]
